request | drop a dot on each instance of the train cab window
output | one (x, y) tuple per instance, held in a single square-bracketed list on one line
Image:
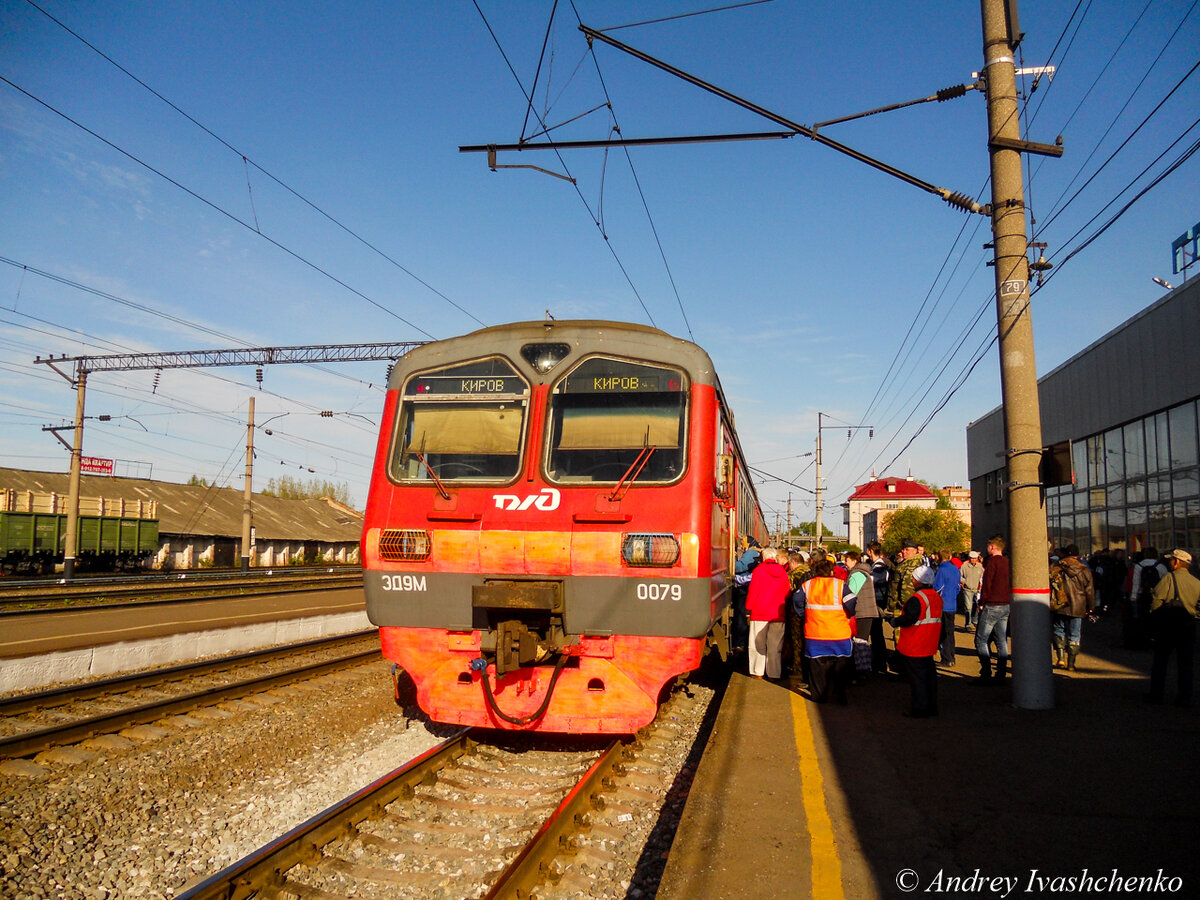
[(612, 418), (464, 422)]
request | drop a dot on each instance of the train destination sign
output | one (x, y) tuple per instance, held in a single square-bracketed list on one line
[(454, 384), (610, 376), (480, 378)]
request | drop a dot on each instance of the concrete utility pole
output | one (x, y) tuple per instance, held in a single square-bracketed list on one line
[(817, 528), (71, 538), (247, 495), (1033, 686)]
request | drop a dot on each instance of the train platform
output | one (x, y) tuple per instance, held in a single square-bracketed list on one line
[(1099, 795), (39, 649)]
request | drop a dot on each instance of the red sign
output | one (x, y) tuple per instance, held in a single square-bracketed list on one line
[(94, 465)]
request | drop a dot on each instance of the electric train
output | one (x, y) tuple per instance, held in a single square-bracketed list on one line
[(552, 522)]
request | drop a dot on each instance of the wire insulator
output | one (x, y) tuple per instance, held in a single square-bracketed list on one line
[(952, 93), (963, 202)]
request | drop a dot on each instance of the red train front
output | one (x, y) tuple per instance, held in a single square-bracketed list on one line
[(548, 533)]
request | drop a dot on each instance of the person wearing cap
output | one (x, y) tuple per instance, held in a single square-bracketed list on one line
[(1174, 607), (972, 578), (900, 588), (920, 632)]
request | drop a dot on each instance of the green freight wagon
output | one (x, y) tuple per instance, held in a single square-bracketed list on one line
[(34, 542)]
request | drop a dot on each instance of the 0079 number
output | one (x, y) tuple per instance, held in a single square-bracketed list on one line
[(652, 590)]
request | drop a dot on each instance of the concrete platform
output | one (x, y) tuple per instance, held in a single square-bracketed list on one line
[(794, 799), (41, 650)]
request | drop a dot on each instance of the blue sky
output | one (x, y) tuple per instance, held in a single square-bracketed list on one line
[(805, 274)]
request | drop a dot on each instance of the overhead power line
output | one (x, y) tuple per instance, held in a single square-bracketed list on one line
[(250, 162), (209, 203)]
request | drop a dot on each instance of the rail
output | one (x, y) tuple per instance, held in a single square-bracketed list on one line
[(30, 597), (31, 742)]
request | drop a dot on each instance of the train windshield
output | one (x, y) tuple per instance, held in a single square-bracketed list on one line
[(612, 419), (461, 423)]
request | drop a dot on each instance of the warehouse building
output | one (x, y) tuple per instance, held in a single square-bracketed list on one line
[(1119, 421), (201, 526)]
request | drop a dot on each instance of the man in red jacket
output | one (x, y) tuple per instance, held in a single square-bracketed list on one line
[(766, 604)]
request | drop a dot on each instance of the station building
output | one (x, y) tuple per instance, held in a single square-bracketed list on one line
[(870, 502), (1121, 417)]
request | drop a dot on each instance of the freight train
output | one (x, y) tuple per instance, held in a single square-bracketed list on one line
[(552, 523), (33, 542)]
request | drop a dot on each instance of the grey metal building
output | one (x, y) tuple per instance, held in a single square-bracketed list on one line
[(1127, 409)]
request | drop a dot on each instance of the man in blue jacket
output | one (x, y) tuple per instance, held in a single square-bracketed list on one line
[(947, 581), (745, 565)]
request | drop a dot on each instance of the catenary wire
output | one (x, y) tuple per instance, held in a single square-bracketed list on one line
[(215, 207), (250, 162), (638, 183), (595, 221)]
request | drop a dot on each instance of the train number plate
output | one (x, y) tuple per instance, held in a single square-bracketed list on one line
[(659, 590)]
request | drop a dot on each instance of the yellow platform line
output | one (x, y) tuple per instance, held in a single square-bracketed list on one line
[(826, 864)]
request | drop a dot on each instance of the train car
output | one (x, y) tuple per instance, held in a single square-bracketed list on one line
[(551, 525), (33, 542)]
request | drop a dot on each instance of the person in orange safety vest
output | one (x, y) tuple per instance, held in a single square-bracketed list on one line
[(826, 605), (920, 633)]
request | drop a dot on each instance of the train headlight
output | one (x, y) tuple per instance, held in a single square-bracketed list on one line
[(650, 549), (404, 545), (544, 357)]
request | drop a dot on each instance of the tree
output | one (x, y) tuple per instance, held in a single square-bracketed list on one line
[(197, 481), (805, 529), (935, 529), (943, 501), (288, 488)]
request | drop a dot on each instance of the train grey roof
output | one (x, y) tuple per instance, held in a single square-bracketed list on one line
[(618, 338), (187, 509)]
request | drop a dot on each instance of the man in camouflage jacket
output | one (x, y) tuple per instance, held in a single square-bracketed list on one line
[(900, 585)]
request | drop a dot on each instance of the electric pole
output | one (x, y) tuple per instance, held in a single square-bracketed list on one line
[(820, 505), (247, 496), (1033, 686), (71, 538)]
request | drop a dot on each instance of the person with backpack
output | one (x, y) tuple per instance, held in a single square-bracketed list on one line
[(1173, 611), (1072, 596), (743, 570), (1145, 576)]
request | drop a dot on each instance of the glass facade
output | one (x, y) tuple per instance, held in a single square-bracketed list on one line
[(1137, 485)]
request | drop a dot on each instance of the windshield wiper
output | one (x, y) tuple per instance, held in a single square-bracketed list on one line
[(420, 455), (634, 470)]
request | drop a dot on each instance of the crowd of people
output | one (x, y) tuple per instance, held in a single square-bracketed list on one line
[(815, 620)]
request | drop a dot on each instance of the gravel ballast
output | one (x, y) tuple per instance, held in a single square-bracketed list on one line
[(150, 817), (145, 821)]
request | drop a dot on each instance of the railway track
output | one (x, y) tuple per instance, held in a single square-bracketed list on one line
[(482, 815), (32, 723), (16, 598)]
